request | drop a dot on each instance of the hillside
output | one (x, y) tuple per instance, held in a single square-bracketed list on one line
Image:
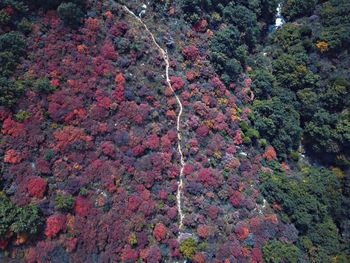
[(174, 131)]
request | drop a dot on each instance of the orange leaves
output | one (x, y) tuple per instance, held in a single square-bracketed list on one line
[(242, 232), (322, 46), (109, 15), (270, 154), (119, 79), (82, 49)]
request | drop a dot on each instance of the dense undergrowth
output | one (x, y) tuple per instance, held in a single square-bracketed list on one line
[(89, 143)]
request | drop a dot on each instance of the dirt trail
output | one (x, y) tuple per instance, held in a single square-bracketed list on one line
[(164, 54)]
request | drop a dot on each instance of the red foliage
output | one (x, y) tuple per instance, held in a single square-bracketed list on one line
[(120, 88), (9, 10), (12, 157), (69, 136), (92, 24), (201, 26), (188, 169), (159, 232), (257, 256), (109, 14), (238, 140), (129, 254), (242, 231), (163, 194), (108, 51), (191, 53), (236, 198), (199, 258), (213, 212), (177, 82), (37, 186), (119, 29), (75, 117), (203, 231), (270, 154), (207, 178), (54, 224), (202, 131), (153, 142), (3, 244), (172, 213), (171, 114), (190, 76), (55, 83), (82, 206), (108, 148), (13, 128)]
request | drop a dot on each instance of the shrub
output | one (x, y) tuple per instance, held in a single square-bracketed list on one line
[(188, 248), (64, 202)]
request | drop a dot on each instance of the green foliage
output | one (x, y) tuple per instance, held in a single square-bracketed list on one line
[(279, 124), (7, 214), (263, 83), (245, 20), (293, 74), (336, 20), (188, 248), (22, 115), (64, 202), (70, 13), (43, 85), (226, 51), (133, 239), (25, 26), (9, 92), (13, 42), (296, 8), (278, 252), (28, 220), (12, 47), (313, 202), (18, 219), (328, 134)]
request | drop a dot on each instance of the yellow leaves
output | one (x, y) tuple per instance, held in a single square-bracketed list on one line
[(234, 114), (222, 101), (217, 155), (322, 46), (209, 124), (338, 172)]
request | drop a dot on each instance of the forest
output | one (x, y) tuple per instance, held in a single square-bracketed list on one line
[(175, 131)]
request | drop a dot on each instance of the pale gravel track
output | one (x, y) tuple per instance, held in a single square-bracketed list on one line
[(165, 56)]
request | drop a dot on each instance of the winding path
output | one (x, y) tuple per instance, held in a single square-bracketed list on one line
[(165, 56)]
